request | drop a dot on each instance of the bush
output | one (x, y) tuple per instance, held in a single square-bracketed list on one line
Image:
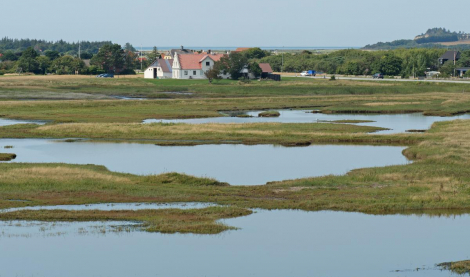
[(127, 72), (333, 78), (467, 74), (243, 80)]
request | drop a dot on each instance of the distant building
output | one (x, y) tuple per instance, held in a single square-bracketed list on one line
[(180, 51), (266, 69), (241, 49), (449, 56), (461, 71), (160, 69)]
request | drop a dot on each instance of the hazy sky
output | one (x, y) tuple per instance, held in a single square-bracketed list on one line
[(230, 23)]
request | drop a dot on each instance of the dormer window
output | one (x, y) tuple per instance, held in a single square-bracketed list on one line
[(208, 63)]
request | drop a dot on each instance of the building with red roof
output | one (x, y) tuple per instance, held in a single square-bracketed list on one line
[(193, 66)]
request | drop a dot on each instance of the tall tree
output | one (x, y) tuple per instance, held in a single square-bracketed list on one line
[(152, 56), (110, 58), (43, 63), (233, 64), (129, 47), (28, 61)]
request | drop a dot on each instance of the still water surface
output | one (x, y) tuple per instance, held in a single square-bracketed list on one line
[(7, 122), (235, 164), (269, 244), (397, 123)]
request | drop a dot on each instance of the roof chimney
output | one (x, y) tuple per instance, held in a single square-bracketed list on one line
[(208, 51), (182, 48)]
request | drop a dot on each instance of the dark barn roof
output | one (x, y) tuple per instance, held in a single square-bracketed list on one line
[(266, 67), (166, 65), (449, 55)]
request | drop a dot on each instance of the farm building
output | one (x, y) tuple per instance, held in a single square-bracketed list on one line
[(449, 56), (266, 69), (159, 69)]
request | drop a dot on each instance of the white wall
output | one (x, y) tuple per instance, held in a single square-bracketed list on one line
[(148, 73)]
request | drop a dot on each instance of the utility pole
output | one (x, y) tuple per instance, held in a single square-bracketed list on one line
[(455, 57), (79, 50), (282, 65), (140, 57)]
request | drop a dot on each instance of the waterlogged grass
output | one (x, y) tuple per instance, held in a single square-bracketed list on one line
[(192, 134), (7, 156), (461, 267), (196, 221), (269, 114), (119, 111), (438, 179)]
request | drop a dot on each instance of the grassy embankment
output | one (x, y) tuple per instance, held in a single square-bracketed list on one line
[(437, 103), (7, 156), (299, 134), (85, 87), (439, 179), (461, 267)]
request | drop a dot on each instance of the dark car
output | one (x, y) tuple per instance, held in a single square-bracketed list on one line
[(378, 76)]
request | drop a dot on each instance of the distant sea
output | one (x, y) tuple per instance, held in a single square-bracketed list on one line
[(264, 48)]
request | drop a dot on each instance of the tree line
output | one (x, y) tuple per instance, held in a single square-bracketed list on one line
[(63, 47), (399, 62), (109, 58)]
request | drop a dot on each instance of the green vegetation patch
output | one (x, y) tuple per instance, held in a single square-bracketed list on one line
[(196, 221), (269, 114), (7, 157), (461, 267)]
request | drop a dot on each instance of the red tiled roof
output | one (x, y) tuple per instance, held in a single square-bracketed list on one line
[(194, 61), (266, 67), (241, 49)]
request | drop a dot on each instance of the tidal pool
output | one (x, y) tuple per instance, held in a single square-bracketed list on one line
[(269, 244), (396, 123), (235, 164), (7, 122)]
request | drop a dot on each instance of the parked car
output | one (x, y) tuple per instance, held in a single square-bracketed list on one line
[(308, 73), (105, 75), (378, 76)]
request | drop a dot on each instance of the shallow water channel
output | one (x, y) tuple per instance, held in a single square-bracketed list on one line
[(235, 164), (7, 122), (397, 123), (269, 243)]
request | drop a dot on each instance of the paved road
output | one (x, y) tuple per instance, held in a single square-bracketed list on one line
[(386, 80)]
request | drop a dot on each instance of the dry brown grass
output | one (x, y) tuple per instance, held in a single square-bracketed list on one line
[(58, 174)]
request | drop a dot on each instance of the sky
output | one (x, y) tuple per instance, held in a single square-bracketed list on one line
[(218, 23)]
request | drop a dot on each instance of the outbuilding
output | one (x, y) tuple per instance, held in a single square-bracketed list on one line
[(159, 69)]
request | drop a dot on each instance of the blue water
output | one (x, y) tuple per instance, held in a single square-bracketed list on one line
[(268, 244), (235, 164), (395, 123)]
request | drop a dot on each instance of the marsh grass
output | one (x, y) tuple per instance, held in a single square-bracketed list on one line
[(269, 114), (196, 221), (461, 267), (212, 133), (7, 156)]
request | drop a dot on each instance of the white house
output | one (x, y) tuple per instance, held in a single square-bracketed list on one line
[(159, 69), (193, 66)]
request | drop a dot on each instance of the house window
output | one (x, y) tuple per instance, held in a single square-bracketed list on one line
[(208, 63), (194, 72), (185, 72)]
